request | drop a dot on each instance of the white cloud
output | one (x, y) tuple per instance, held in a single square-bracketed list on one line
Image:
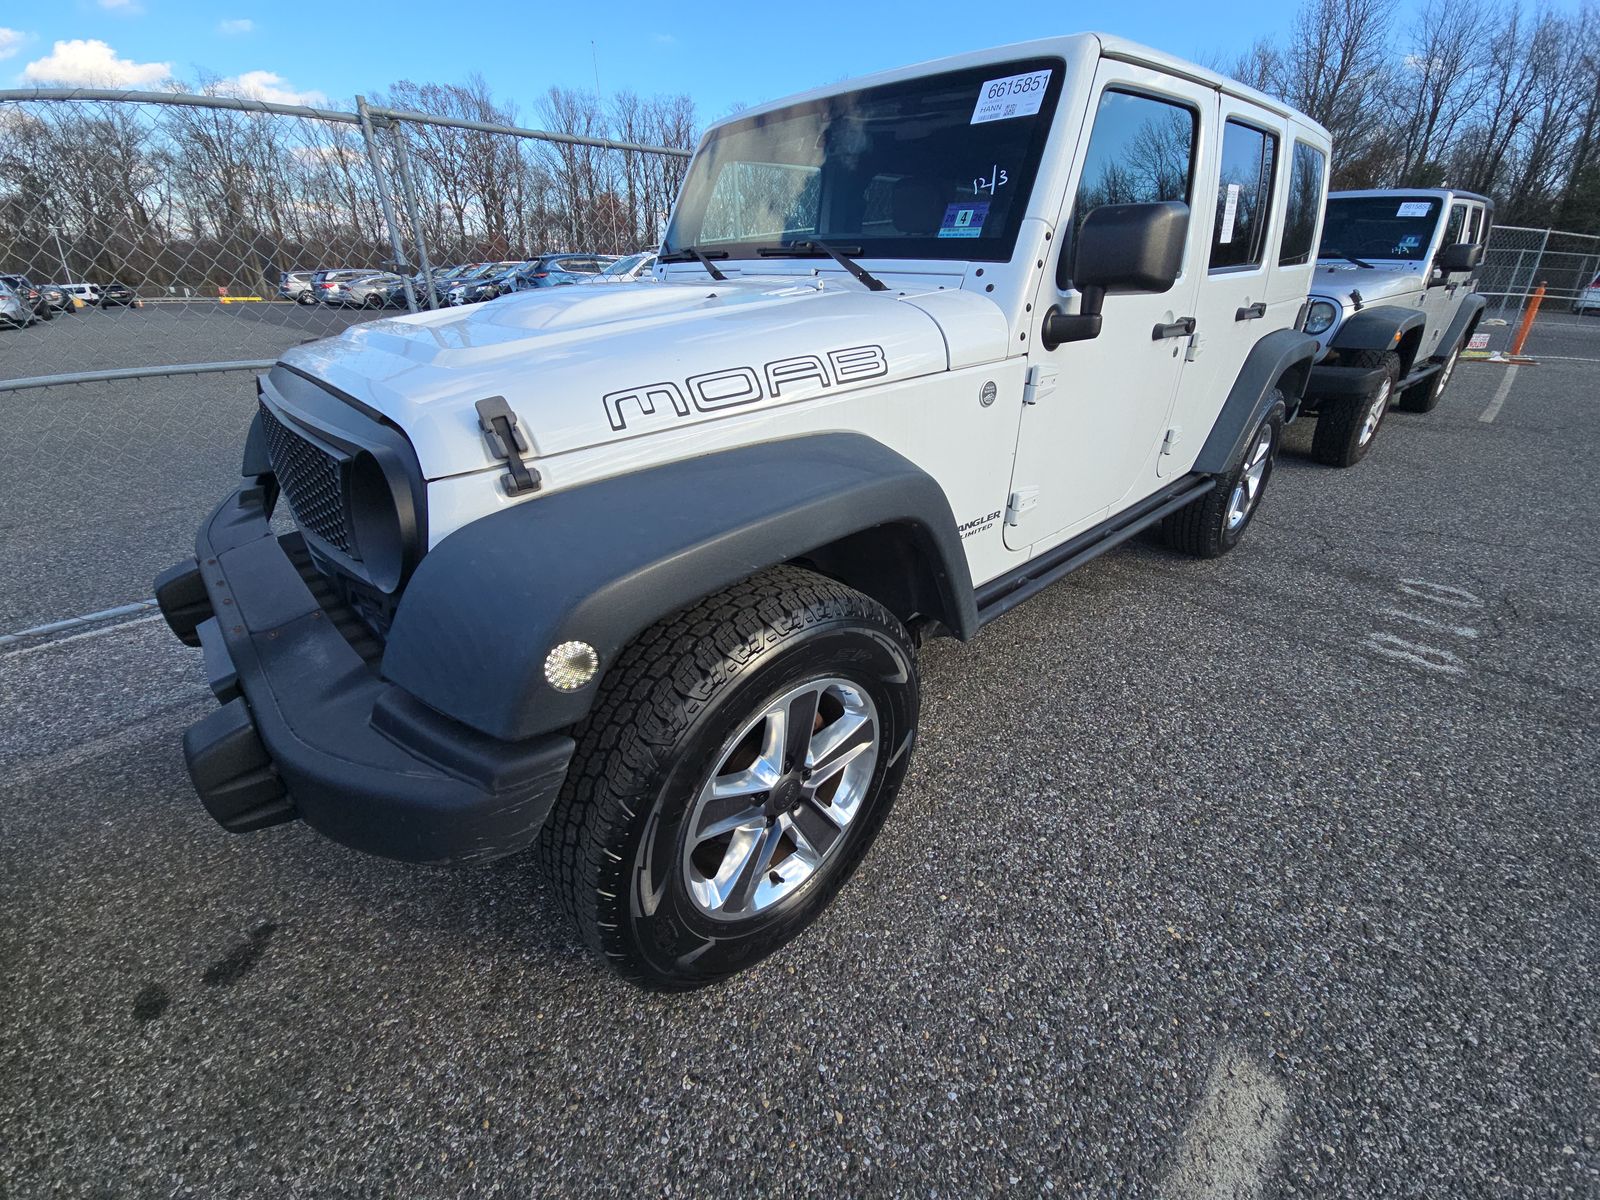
[(269, 86), (131, 8), (236, 27), (10, 42), (89, 62)]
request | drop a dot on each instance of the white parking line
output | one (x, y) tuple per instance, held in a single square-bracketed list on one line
[(1228, 1147), (100, 631), (66, 624), (1466, 631), (1500, 394)]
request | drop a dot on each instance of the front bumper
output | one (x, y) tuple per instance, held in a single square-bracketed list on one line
[(309, 728)]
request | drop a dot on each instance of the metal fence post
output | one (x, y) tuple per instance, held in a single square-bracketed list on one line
[(1538, 258), (408, 193), (381, 183)]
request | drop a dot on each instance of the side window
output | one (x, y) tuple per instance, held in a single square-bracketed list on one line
[(1305, 202), (1455, 228), (1475, 225), (1244, 196), (1140, 150)]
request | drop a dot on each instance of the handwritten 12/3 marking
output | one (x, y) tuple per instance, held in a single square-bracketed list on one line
[(1444, 605)]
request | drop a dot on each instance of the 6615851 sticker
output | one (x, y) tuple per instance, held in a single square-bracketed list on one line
[(1013, 96)]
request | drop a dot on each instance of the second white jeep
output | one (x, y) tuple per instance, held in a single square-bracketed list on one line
[(638, 573)]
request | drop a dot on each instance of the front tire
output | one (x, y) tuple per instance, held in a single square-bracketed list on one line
[(1212, 525), (739, 760), (1347, 426)]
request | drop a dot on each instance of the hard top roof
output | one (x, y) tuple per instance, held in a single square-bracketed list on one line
[(1101, 44)]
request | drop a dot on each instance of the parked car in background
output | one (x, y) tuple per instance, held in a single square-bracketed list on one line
[(382, 289), (322, 282), (1588, 300), (118, 295), (484, 282), (552, 270), (13, 312), (296, 286), (30, 295), (81, 293), (627, 269), (57, 298)]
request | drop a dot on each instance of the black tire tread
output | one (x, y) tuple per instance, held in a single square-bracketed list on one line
[(1333, 438), (639, 711)]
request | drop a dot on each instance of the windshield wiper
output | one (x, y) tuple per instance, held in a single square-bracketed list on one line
[(838, 253), (695, 254), (1346, 257)]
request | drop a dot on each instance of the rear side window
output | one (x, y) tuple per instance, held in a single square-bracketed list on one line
[(1475, 225), (1305, 203), (1140, 151), (1244, 196)]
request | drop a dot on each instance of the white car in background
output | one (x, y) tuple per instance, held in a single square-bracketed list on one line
[(13, 311), (627, 269), (88, 293), (1588, 300)]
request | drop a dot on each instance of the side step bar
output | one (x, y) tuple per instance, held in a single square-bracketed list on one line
[(1000, 596)]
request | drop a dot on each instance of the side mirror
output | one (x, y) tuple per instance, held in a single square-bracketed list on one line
[(1463, 256), (1120, 248)]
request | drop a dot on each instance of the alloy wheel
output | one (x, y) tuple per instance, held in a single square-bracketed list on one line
[(1375, 411), (1247, 492), (780, 799)]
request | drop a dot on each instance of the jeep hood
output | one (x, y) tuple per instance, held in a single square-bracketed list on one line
[(582, 365), (1383, 282)]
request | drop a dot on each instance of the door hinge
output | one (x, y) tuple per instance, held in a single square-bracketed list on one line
[(507, 443), (1170, 441), (1019, 502), (1040, 381)]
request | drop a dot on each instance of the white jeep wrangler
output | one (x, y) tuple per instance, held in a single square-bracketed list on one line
[(1392, 305), (638, 573)]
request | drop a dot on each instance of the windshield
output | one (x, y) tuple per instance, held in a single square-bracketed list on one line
[(936, 167), (623, 265), (1393, 227)]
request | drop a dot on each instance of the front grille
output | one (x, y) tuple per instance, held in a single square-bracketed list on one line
[(311, 480)]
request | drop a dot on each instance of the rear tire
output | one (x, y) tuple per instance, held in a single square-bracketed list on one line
[(1424, 397), (1212, 525), (1347, 425), (702, 824)]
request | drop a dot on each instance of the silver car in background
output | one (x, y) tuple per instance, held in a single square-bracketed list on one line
[(13, 312), (381, 289), (627, 269)]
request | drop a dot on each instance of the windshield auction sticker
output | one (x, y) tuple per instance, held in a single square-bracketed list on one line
[(1414, 208), (1013, 96), (964, 220)]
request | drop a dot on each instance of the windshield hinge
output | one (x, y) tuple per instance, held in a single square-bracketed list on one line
[(506, 442), (1041, 381)]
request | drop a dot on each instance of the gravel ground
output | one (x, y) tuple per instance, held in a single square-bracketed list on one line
[(1272, 875)]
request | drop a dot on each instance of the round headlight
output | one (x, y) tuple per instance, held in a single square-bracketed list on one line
[(1321, 316)]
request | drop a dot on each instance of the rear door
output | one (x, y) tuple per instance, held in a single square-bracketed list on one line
[(1237, 303), (1098, 408)]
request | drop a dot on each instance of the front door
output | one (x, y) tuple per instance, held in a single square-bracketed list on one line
[(1098, 408)]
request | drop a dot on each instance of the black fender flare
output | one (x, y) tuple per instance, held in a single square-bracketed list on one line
[(600, 562), (1281, 359), (1378, 328), (1466, 319)]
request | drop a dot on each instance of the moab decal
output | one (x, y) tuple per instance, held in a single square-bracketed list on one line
[(733, 386)]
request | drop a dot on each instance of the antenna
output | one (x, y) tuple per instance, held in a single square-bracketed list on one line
[(595, 56)]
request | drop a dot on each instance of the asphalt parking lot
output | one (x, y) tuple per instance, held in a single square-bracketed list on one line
[(1273, 875)]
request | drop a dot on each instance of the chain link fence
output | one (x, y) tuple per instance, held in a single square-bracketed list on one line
[(1517, 260), (146, 231), (159, 247)]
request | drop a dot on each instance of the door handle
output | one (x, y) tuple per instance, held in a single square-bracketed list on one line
[(1254, 312), (1182, 327)]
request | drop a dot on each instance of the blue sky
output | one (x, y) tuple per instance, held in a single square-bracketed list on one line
[(720, 53)]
